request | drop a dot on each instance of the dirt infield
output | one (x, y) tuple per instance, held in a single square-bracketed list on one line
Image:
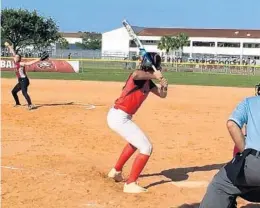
[(58, 155)]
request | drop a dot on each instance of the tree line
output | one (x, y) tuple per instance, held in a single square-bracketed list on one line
[(24, 28), (90, 41), (173, 43)]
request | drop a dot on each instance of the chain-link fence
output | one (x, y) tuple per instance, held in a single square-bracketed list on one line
[(107, 64), (213, 68), (95, 60), (86, 64), (75, 53)]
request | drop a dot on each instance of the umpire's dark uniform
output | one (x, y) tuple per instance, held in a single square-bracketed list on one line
[(241, 176)]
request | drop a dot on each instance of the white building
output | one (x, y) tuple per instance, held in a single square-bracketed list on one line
[(224, 42), (72, 38)]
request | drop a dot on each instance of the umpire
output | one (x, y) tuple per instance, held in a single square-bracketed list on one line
[(241, 176)]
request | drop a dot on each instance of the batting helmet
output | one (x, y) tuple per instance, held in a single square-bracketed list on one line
[(257, 90), (156, 61)]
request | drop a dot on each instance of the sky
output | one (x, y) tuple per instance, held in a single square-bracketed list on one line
[(106, 15)]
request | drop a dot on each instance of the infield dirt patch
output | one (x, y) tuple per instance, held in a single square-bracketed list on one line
[(58, 155)]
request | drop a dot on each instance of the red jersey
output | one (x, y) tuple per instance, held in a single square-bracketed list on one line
[(20, 70), (133, 95)]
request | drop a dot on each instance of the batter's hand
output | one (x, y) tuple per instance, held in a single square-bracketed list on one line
[(158, 75), (164, 83)]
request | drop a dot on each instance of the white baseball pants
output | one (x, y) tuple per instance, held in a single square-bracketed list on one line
[(121, 123)]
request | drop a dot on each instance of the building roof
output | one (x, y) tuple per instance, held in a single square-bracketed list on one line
[(217, 33), (71, 34), (138, 29)]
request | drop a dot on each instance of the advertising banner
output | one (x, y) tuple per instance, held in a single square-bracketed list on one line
[(43, 66)]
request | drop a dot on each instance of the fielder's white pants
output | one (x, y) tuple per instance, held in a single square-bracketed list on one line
[(121, 123)]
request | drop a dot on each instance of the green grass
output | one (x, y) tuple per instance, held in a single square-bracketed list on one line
[(183, 78)]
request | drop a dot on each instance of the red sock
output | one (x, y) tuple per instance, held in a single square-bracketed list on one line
[(138, 166), (127, 152), (235, 151)]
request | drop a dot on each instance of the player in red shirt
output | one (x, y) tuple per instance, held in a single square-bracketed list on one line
[(119, 119), (23, 81)]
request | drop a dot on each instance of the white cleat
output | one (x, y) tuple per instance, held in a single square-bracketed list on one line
[(116, 175), (133, 188)]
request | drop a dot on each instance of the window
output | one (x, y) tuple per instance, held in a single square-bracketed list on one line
[(203, 44), (251, 45), (149, 42), (132, 44), (228, 45)]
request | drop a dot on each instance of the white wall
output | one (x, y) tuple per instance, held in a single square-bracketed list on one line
[(149, 37), (209, 50), (251, 51), (118, 41), (115, 41), (212, 50), (73, 40)]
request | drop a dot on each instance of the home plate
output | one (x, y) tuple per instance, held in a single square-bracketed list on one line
[(191, 184)]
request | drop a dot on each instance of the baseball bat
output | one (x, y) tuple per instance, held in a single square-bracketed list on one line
[(137, 42)]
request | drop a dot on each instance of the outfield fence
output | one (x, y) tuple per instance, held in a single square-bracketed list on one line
[(175, 67), (86, 64)]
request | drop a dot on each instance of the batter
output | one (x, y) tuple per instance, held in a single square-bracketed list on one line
[(138, 86)]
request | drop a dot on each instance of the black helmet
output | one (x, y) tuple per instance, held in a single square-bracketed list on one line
[(257, 90), (156, 61)]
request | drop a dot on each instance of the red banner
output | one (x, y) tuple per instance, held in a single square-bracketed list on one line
[(44, 66)]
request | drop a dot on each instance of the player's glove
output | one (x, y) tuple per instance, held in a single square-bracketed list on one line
[(44, 56)]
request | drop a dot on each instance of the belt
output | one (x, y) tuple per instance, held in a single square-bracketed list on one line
[(255, 153), (118, 108), (22, 78)]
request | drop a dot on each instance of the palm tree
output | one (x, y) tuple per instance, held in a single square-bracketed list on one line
[(175, 45), (165, 44), (183, 40)]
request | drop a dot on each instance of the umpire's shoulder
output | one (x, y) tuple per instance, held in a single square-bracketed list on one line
[(253, 98)]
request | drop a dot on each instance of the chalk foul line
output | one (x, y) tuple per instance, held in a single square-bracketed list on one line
[(33, 169)]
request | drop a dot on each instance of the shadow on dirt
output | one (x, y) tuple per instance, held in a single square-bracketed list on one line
[(86, 105), (53, 104), (196, 205), (180, 174)]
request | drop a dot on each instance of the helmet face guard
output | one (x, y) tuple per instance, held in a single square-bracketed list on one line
[(257, 90), (156, 61)]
